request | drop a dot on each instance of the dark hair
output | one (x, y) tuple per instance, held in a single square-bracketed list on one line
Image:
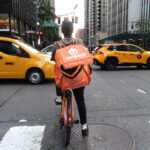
[(67, 28)]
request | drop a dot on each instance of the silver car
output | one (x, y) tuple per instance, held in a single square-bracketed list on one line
[(48, 50)]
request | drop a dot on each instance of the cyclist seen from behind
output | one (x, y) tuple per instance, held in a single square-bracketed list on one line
[(67, 30)]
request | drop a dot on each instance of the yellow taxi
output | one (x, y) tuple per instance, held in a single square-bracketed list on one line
[(19, 60), (109, 56)]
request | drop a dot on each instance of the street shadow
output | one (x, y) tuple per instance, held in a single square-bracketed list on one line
[(120, 68), (96, 68), (53, 138), (49, 81), (130, 69), (12, 81), (22, 81)]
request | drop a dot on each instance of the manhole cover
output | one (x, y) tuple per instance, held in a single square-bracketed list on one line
[(102, 137)]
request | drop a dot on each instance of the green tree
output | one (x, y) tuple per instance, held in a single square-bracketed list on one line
[(50, 32)]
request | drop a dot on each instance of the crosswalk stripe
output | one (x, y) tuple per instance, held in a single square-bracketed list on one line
[(23, 138)]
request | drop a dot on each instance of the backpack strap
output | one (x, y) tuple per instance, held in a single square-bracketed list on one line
[(71, 76), (60, 44)]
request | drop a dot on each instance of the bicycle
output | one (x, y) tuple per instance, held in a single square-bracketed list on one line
[(67, 115)]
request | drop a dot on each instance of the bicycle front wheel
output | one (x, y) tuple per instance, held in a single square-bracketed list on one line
[(67, 131)]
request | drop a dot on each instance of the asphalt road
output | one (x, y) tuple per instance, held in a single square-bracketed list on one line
[(120, 98)]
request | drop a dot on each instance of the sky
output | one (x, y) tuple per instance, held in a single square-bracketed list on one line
[(66, 6)]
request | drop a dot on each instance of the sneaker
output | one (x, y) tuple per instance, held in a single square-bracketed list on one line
[(58, 100), (85, 130)]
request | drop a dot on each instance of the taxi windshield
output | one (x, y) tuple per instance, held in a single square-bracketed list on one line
[(29, 47)]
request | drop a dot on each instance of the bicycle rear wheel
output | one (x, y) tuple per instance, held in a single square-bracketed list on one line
[(68, 117), (67, 133)]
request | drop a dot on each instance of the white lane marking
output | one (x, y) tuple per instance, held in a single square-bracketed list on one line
[(139, 90), (23, 138), (22, 120), (122, 81)]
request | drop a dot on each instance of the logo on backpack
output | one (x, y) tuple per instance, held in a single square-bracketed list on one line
[(73, 51)]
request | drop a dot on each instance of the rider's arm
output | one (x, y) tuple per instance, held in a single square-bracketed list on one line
[(55, 47)]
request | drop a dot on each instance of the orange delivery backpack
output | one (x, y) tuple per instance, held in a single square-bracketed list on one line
[(72, 69)]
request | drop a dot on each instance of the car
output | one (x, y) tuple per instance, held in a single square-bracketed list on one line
[(111, 55), (18, 60), (48, 50)]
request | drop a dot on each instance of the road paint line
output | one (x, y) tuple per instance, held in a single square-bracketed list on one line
[(122, 81), (22, 120), (141, 91), (23, 138)]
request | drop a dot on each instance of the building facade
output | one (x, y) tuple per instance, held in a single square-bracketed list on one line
[(95, 21), (117, 17), (86, 22), (129, 20), (117, 20), (101, 19), (19, 17)]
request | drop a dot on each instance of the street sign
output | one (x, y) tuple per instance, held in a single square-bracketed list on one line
[(49, 24), (30, 31)]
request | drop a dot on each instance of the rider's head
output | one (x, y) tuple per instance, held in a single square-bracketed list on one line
[(67, 28)]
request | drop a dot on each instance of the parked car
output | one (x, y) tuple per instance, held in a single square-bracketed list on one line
[(48, 50), (21, 61), (112, 55)]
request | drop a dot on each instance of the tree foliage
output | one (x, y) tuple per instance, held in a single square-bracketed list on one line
[(50, 34)]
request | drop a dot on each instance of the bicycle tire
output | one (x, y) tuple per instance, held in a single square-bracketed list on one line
[(67, 125), (67, 133)]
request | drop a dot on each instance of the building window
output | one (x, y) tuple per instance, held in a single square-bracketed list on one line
[(14, 27), (4, 22)]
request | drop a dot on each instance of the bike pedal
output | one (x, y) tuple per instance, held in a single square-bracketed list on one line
[(76, 121)]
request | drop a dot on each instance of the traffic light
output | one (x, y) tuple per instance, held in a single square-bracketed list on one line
[(72, 19), (76, 19), (59, 20), (39, 33), (132, 26)]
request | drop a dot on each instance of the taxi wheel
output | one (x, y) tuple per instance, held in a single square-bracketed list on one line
[(35, 76), (148, 63), (110, 64)]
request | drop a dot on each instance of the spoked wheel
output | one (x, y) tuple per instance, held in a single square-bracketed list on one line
[(67, 133)]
